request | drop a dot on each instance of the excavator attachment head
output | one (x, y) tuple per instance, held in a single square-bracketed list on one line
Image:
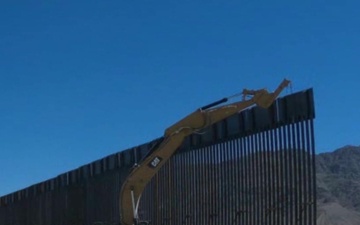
[(262, 97)]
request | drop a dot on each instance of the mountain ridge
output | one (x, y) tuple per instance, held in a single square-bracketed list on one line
[(338, 186)]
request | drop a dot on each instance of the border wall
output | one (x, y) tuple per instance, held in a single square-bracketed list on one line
[(257, 167)]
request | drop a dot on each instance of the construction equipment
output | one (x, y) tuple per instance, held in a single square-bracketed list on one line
[(142, 173)]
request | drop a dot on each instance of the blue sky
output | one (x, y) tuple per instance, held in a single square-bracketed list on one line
[(83, 79)]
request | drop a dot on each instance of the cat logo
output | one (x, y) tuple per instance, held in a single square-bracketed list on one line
[(155, 162)]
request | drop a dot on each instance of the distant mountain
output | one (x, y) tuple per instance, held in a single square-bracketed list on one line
[(338, 186)]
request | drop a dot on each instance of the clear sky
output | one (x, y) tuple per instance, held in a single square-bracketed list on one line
[(80, 80)]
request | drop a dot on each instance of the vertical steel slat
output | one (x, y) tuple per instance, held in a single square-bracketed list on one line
[(241, 178), (309, 184), (218, 183), (304, 172), (191, 173), (223, 192), (257, 179), (275, 180), (300, 163), (230, 162), (280, 175), (294, 192), (160, 195), (238, 182), (164, 205), (270, 209), (197, 178), (262, 188), (192, 167), (268, 178), (288, 190), (222, 206), (249, 172), (183, 185), (172, 193), (196, 170), (178, 182), (257, 191), (185, 181), (169, 194), (219, 186), (289, 201), (187, 186), (299, 173), (289, 167), (182, 181), (309, 170), (231, 167), (281, 162), (260, 178), (236, 188), (276, 170), (211, 186), (265, 177), (177, 190), (200, 171), (207, 160), (201, 183), (282, 172), (312, 137), (205, 180), (249, 177), (208, 187), (228, 183), (247, 183), (189, 211), (270, 213), (253, 178), (237, 185), (287, 176), (215, 213)]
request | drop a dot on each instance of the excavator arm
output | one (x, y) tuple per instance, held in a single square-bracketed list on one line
[(142, 173)]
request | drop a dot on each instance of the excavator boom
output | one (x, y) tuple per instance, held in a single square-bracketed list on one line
[(142, 173)]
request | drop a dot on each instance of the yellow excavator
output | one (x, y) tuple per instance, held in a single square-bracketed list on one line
[(142, 172)]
